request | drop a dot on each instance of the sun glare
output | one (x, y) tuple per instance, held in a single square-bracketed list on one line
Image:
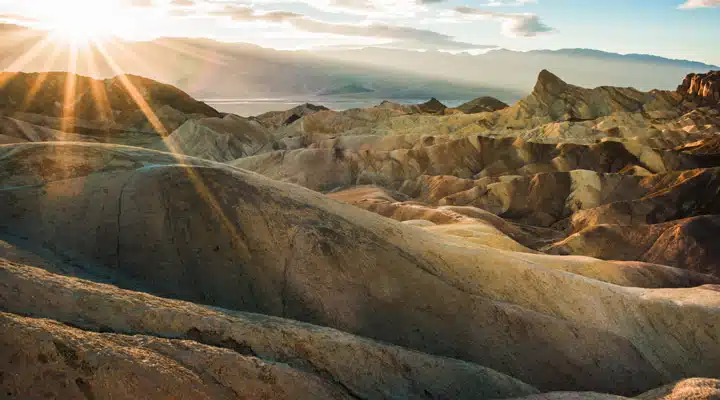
[(83, 21)]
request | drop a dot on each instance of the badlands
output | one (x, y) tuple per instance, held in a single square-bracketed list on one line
[(562, 247)]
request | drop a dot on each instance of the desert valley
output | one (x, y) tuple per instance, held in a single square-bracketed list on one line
[(564, 243), (359, 199)]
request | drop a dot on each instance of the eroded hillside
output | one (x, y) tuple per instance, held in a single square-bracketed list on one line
[(558, 246)]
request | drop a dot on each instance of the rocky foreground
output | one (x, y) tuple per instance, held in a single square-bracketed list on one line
[(559, 248)]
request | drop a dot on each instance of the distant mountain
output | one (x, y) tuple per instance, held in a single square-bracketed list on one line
[(482, 104), (628, 57), (352, 88), (210, 69), (516, 70)]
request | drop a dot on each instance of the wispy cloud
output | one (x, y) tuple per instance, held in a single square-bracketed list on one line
[(398, 35), (401, 36), (509, 3), (250, 14), (513, 24), (490, 3), (700, 4), (391, 23)]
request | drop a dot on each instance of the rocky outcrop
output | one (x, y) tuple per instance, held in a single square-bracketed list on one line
[(278, 119), (686, 243), (432, 106), (704, 88), (482, 104), (220, 139), (552, 99), (17, 94), (123, 102)]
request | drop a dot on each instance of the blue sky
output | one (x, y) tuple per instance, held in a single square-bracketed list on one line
[(687, 29)]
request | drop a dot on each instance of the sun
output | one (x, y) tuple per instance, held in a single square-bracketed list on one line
[(84, 21)]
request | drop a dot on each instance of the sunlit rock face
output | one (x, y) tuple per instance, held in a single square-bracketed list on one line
[(562, 247), (74, 103), (220, 139), (703, 87)]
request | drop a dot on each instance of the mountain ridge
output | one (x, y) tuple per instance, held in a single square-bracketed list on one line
[(212, 69), (565, 242)]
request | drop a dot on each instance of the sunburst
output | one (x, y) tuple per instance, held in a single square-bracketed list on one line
[(86, 27), (80, 22)]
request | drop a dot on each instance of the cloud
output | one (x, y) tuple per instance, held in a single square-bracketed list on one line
[(395, 35), (138, 3), (368, 9), (513, 24), (399, 35), (491, 3), (510, 3), (700, 4), (239, 13), (355, 4)]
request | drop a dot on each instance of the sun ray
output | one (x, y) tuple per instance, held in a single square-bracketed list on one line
[(97, 88), (196, 180), (77, 22), (196, 52), (22, 61), (132, 58), (134, 93), (70, 92), (42, 76)]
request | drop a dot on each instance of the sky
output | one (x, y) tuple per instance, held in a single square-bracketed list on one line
[(685, 29)]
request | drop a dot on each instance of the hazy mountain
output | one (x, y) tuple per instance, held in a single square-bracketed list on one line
[(211, 69), (517, 70), (352, 88)]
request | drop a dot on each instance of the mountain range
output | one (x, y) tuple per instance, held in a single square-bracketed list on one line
[(560, 247), (217, 70)]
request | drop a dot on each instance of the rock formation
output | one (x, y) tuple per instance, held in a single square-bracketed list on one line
[(559, 248), (432, 106), (482, 104), (103, 108), (17, 131), (277, 119), (220, 139), (702, 87)]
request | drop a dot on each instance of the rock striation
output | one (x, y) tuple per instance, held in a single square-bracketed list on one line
[(220, 139), (702, 87), (262, 246), (559, 248)]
